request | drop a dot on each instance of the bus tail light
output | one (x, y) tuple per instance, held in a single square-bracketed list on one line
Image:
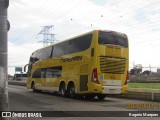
[(127, 78), (95, 76)]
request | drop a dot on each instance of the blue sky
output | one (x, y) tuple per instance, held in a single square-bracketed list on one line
[(139, 19), (99, 2)]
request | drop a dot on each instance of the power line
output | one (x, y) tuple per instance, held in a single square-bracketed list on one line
[(128, 30), (124, 14), (114, 18), (30, 28)]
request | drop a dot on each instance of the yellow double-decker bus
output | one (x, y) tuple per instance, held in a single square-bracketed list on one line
[(91, 64)]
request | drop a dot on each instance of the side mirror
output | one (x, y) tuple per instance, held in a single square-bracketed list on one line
[(25, 67)]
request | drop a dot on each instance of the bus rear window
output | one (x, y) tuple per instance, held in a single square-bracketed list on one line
[(113, 38)]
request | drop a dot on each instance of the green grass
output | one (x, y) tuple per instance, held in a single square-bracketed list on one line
[(144, 85)]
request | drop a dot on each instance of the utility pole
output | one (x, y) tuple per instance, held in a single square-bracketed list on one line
[(4, 27), (48, 37)]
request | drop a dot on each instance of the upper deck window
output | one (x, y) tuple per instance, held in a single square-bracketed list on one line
[(72, 46), (113, 38)]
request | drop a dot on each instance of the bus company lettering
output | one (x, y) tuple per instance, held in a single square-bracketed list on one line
[(75, 58)]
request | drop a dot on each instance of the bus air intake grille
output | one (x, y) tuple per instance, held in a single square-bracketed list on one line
[(112, 65)]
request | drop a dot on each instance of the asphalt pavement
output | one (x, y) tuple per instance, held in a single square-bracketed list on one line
[(23, 99)]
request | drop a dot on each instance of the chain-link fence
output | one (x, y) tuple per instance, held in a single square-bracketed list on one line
[(145, 74)]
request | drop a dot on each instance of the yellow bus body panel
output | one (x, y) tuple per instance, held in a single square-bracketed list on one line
[(80, 72)]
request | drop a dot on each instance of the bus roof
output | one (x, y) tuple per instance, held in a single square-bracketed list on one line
[(77, 37), (66, 40)]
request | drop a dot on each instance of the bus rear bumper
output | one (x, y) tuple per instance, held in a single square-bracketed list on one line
[(111, 90), (99, 89), (114, 89)]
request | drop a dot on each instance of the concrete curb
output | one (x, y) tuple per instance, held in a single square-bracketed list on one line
[(144, 94), (141, 94), (133, 93), (21, 83), (144, 90)]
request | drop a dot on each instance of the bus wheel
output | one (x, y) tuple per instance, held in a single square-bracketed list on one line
[(33, 87), (71, 91), (80, 96), (101, 96), (63, 90), (89, 97)]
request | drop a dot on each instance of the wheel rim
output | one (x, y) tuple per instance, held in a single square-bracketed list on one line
[(72, 91), (62, 90)]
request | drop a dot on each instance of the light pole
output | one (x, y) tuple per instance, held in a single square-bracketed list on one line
[(4, 27)]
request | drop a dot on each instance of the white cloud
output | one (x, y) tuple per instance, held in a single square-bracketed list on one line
[(139, 19), (18, 55)]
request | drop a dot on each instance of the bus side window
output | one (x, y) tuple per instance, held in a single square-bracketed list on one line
[(37, 74), (43, 73), (53, 72)]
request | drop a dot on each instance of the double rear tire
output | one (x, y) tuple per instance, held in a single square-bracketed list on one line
[(89, 97), (63, 92), (69, 92), (101, 96)]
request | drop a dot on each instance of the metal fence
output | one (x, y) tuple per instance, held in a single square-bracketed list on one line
[(145, 75)]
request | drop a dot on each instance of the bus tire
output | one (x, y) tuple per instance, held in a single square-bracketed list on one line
[(89, 97), (80, 96), (101, 96), (63, 90), (71, 91), (33, 87)]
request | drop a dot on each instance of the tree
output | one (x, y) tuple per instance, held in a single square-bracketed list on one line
[(132, 71), (135, 71), (146, 72)]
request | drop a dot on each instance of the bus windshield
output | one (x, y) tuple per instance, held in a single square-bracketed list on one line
[(113, 38)]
